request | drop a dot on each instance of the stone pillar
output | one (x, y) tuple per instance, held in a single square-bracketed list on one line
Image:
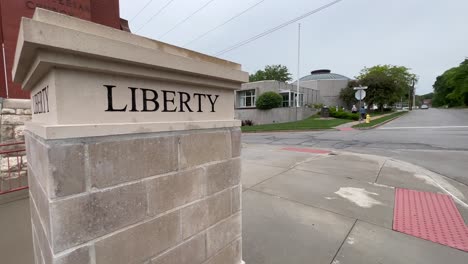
[(133, 148)]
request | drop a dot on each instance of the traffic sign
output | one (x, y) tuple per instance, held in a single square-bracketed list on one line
[(360, 94)]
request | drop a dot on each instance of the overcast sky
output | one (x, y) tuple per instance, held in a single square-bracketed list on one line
[(428, 36)]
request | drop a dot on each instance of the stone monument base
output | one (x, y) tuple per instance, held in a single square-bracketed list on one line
[(153, 198)]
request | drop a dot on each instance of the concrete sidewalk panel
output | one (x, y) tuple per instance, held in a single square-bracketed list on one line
[(278, 231), (401, 178), (253, 173), (15, 233), (370, 244), (275, 156), (345, 165), (365, 201)]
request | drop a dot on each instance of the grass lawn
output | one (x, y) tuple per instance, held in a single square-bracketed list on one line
[(380, 120), (310, 123)]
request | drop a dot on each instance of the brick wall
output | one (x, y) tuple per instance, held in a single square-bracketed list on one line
[(104, 12), (142, 199)]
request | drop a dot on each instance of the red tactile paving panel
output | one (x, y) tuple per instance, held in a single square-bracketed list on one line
[(308, 150), (346, 129), (430, 216)]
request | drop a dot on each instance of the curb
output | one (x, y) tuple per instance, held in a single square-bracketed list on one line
[(380, 124), (287, 131)]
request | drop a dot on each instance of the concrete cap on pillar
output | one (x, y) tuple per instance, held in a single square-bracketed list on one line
[(90, 80)]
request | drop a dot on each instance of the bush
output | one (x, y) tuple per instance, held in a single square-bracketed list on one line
[(318, 106), (341, 114), (247, 123), (269, 100)]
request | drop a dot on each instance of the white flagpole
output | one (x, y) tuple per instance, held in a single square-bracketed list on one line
[(298, 64)]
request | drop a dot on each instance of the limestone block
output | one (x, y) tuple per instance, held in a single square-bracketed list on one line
[(236, 198), (231, 254), (15, 119), (8, 111), (59, 167), (236, 142), (66, 169), (190, 252), (37, 152), (223, 234), (201, 215), (222, 175), (219, 207), (196, 149), (141, 242), (6, 132), (37, 251), (41, 203), (168, 192), (27, 112), (20, 111), (127, 159), (79, 219), (77, 256), (42, 238), (19, 132)]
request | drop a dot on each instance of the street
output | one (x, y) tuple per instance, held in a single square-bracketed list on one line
[(302, 204), (436, 139)]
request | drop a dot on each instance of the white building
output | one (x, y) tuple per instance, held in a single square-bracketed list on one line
[(245, 102), (329, 84), (245, 98)]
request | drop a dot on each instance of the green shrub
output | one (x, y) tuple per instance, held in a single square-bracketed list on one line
[(343, 114), (318, 106), (269, 100)]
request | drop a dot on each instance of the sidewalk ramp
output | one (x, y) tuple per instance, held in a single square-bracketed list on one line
[(430, 216)]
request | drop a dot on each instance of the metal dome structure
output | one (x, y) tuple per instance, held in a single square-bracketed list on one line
[(324, 74)]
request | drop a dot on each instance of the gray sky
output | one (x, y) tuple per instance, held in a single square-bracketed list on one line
[(428, 36)]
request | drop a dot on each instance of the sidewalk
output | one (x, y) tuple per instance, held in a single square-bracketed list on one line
[(337, 208), (348, 126)]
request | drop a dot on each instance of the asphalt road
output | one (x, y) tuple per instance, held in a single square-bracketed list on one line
[(436, 139)]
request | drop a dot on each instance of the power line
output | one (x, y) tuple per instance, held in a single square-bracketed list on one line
[(224, 23), (187, 18), (141, 10), (242, 43), (157, 13)]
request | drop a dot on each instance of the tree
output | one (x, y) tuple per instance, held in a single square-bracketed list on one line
[(451, 88), (347, 94), (387, 84), (272, 72), (269, 100)]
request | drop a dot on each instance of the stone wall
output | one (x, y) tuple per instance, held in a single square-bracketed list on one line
[(14, 112), (153, 198), (13, 166), (275, 115)]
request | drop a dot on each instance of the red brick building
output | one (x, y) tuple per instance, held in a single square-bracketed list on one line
[(104, 12)]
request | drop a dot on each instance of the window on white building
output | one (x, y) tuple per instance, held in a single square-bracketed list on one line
[(246, 98), (301, 100), (289, 98), (286, 100)]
